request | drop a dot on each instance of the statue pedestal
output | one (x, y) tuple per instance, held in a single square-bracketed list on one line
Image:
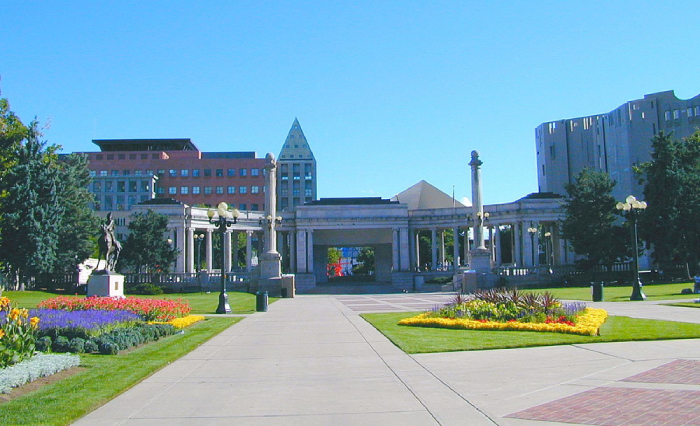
[(481, 260), (105, 284), (270, 265)]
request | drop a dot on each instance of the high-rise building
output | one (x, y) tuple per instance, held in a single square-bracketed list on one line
[(614, 142), (296, 175)]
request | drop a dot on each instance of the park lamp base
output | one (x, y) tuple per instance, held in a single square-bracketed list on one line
[(637, 293), (223, 307)]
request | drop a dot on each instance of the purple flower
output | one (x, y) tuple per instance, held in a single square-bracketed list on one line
[(573, 308), (92, 322)]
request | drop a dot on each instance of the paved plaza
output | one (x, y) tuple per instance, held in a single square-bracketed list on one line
[(313, 360)]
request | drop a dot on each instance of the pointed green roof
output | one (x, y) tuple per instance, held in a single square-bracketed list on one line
[(423, 195), (295, 147)]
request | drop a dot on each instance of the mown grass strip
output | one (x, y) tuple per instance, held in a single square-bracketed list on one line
[(415, 340), (107, 376), (621, 294)]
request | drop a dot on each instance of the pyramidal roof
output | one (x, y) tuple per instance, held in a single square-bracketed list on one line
[(423, 196), (295, 146)]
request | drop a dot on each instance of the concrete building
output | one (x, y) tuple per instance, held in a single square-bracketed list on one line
[(613, 142), (296, 175)]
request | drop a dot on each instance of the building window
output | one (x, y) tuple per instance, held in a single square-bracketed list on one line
[(308, 192), (138, 172), (219, 172), (243, 172), (184, 172), (219, 189), (697, 110), (108, 186), (103, 172), (144, 156), (114, 173), (243, 190), (172, 190), (231, 172), (109, 205), (184, 190), (689, 111), (161, 172), (254, 190), (243, 206), (552, 152), (160, 190), (231, 190), (93, 173), (172, 173), (255, 172), (121, 186), (667, 115), (133, 186), (284, 192), (121, 156), (97, 187), (125, 172), (207, 189), (145, 186), (207, 172), (676, 114), (195, 172), (195, 190), (254, 207)]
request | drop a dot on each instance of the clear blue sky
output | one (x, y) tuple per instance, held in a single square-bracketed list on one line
[(388, 93)]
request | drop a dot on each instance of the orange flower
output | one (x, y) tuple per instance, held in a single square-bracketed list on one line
[(2, 333)]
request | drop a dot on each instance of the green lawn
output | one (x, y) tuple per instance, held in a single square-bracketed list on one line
[(65, 401), (622, 294), (201, 303), (616, 329)]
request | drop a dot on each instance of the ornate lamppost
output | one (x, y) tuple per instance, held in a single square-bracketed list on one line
[(532, 231), (548, 248), (630, 209), (222, 223)]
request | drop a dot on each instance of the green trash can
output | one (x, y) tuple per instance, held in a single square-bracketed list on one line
[(597, 291), (261, 301)]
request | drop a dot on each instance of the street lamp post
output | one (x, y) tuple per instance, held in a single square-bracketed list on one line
[(631, 208), (222, 222), (532, 231), (548, 249)]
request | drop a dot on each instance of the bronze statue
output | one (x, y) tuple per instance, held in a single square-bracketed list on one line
[(108, 245)]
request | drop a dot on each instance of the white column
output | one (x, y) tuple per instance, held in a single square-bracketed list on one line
[(301, 252), (395, 250), (180, 245), (455, 248), (465, 256), (248, 251), (310, 250), (189, 234), (209, 249), (442, 248), (415, 250), (497, 244), (404, 253), (227, 251), (517, 241), (433, 249), (234, 250), (492, 246), (292, 252)]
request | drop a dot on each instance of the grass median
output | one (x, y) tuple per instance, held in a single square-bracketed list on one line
[(105, 377), (622, 293), (426, 340)]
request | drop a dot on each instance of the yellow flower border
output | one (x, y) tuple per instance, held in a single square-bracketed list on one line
[(181, 322), (588, 323)]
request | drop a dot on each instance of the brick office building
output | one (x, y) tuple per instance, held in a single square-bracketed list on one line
[(128, 171)]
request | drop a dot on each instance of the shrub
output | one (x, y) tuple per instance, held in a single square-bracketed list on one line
[(146, 289), (108, 348), (43, 344), (29, 370), (61, 344), (91, 346), (77, 345)]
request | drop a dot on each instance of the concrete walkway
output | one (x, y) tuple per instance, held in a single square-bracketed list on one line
[(312, 361)]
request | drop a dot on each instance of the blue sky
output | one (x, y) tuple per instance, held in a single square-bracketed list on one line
[(388, 93)]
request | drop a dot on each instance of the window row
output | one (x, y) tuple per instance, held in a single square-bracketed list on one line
[(121, 186), (179, 172), (118, 202), (676, 113), (186, 190)]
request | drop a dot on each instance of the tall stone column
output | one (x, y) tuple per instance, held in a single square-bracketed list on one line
[(455, 248), (248, 251), (270, 262), (180, 245), (404, 254), (433, 249), (301, 252), (517, 245), (395, 267), (480, 256), (189, 234)]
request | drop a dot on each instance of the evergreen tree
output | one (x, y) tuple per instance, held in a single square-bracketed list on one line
[(77, 236), (30, 213), (146, 248), (671, 222), (590, 215)]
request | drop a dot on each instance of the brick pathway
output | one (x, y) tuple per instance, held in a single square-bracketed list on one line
[(630, 406)]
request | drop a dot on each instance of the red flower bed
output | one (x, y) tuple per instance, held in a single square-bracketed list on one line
[(148, 309)]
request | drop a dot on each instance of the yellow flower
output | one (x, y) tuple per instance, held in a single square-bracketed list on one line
[(14, 314), (4, 302), (182, 322), (2, 333), (34, 321)]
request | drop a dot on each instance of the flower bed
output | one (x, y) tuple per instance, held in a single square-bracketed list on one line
[(147, 309), (182, 322), (513, 310), (17, 333), (83, 324)]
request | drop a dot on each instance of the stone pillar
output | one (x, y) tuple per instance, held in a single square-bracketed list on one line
[(415, 252), (310, 250), (442, 249), (270, 260), (480, 256), (302, 267), (189, 234), (455, 248), (497, 245), (208, 250), (404, 253), (234, 250), (180, 245), (227, 251), (248, 251), (517, 252), (433, 249), (395, 266), (292, 252)]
